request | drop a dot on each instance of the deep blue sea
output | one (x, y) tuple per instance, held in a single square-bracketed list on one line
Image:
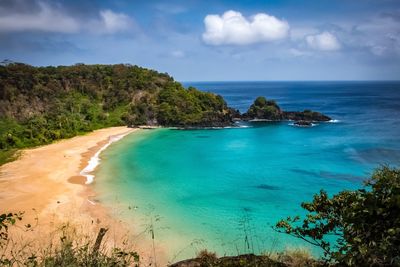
[(224, 189)]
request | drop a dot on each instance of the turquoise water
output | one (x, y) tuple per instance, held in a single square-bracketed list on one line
[(224, 189)]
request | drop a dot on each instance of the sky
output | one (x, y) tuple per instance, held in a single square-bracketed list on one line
[(204, 40)]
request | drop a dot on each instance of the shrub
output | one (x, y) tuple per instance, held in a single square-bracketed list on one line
[(69, 248), (365, 222)]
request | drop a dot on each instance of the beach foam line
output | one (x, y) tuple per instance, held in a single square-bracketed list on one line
[(237, 127), (95, 160)]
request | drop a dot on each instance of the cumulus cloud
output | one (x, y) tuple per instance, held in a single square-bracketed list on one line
[(324, 41), (52, 18), (232, 28), (297, 34)]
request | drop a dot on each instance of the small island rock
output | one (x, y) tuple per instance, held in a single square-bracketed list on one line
[(263, 109)]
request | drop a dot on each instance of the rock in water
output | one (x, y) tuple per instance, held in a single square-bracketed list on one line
[(303, 123), (263, 109)]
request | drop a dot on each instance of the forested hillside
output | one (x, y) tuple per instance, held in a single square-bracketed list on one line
[(42, 104)]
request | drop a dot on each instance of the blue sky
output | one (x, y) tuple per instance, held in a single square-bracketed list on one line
[(197, 40)]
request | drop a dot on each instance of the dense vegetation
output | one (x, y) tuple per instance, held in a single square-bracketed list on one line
[(365, 222), (264, 109), (42, 104)]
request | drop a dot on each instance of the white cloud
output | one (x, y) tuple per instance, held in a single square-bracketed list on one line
[(47, 19), (113, 22), (52, 18), (298, 33), (325, 41), (233, 29)]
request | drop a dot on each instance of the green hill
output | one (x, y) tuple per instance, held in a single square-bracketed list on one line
[(42, 104)]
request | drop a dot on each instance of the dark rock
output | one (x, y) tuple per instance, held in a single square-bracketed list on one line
[(268, 110), (306, 115), (230, 261), (263, 109), (303, 123)]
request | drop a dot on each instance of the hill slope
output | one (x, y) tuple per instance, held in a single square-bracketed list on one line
[(42, 104)]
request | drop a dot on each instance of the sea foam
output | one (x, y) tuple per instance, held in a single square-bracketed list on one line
[(95, 160), (302, 126)]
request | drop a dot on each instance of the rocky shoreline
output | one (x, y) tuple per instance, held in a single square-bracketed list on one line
[(262, 110)]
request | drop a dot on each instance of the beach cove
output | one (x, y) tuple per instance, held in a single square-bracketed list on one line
[(221, 189), (51, 185), (207, 188)]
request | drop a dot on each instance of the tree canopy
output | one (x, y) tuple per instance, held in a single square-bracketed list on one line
[(264, 109), (42, 104), (364, 222)]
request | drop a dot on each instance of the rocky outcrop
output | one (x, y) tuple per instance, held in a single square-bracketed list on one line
[(263, 109), (241, 260), (249, 260), (306, 115), (303, 123)]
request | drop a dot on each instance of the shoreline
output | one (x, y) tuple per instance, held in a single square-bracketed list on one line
[(92, 158), (46, 183), (26, 182)]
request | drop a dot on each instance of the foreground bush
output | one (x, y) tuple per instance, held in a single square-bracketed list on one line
[(365, 222)]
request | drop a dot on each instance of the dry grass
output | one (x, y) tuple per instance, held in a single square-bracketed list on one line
[(70, 244), (66, 245)]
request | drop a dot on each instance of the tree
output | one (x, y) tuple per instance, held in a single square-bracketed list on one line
[(41, 104), (264, 109), (364, 222), (260, 101)]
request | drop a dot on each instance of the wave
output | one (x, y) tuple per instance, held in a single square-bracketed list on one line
[(95, 160), (211, 128), (302, 126), (240, 124), (237, 126), (334, 121)]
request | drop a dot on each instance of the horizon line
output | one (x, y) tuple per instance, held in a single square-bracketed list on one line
[(198, 81), (242, 81)]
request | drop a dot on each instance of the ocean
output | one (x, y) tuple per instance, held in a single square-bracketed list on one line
[(224, 189)]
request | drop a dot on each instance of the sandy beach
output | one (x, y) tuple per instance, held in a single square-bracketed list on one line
[(48, 177), (46, 184)]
